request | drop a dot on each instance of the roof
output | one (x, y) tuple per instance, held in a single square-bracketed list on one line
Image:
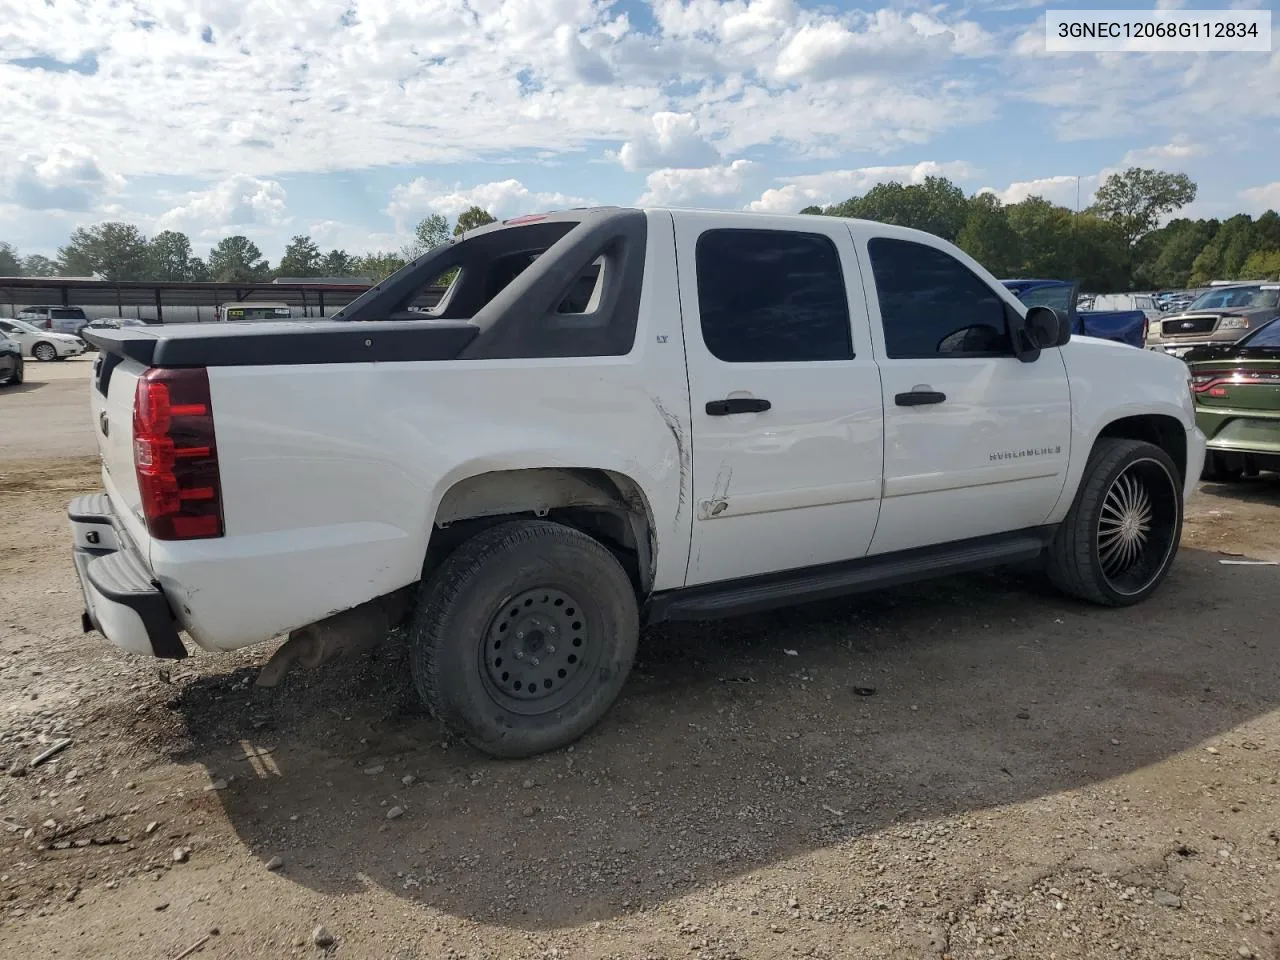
[(55, 291)]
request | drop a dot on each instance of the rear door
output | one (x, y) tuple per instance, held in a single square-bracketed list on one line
[(976, 442), (786, 408)]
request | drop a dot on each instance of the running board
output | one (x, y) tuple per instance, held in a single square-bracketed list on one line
[(807, 584)]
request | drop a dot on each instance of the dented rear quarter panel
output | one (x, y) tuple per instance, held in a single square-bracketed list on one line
[(332, 474)]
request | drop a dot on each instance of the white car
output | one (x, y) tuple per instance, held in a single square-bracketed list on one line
[(42, 344), (615, 417)]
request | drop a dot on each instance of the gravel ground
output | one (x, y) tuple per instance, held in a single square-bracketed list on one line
[(974, 768)]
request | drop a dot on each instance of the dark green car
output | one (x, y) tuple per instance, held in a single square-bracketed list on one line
[(1237, 394)]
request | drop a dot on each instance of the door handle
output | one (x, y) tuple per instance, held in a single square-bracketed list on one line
[(919, 398), (723, 408)]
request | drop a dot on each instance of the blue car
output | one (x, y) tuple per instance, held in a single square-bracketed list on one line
[(1122, 326)]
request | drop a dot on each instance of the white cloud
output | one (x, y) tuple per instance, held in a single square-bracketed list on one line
[(673, 141), (68, 177), (835, 185), (211, 91), (1180, 149), (1263, 198), (412, 201), (237, 202), (691, 186), (827, 48), (1060, 190)]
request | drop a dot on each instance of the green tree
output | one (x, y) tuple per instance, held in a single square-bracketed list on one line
[(471, 218), (430, 233), (378, 266), (1266, 232), (237, 259), (338, 263), (38, 265), (170, 256), (1262, 265), (301, 258), (10, 262), (198, 271), (112, 251), (1134, 200), (1163, 258), (937, 206), (813, 210), (988, 237), (1224, 256)]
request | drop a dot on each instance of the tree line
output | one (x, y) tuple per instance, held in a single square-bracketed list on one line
[(1116, 244), (120, 251)]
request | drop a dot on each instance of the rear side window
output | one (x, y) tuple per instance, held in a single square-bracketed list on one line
[(932, 305), (772, 296)]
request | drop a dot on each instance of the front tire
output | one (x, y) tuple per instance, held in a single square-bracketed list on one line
[(15, 378), (44, 352), (523, 637), (1119, 539)]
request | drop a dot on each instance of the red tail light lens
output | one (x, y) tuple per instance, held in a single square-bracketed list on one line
[(175, 455)]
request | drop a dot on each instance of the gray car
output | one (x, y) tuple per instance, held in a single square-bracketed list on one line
[(55, 319), (1221, 315)]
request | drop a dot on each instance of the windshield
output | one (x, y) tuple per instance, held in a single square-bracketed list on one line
[(1268, 335), (1237, 298), (1058, 297)]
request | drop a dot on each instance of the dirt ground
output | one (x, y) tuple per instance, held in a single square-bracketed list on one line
[(974, 768)]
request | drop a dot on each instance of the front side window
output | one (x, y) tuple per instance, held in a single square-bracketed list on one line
[(932, 305), (772, 296)]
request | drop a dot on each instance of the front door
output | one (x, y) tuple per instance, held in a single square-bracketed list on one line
[(976, 441), (787, 428)]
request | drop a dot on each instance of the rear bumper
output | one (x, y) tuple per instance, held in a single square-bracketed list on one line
[(122, 599)]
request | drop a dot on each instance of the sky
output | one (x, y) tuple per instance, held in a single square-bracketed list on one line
[(350, 120)]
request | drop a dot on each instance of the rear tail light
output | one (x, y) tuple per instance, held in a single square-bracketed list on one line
[(175, 455)]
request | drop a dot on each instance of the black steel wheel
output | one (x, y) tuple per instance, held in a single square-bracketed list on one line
[(1119, 538), (523, 637)]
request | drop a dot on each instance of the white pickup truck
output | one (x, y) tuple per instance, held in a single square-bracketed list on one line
[(615, 417)]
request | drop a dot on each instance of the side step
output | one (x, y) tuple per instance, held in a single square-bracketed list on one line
[(755, 594)]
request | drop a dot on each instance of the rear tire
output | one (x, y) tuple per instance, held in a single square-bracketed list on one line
[(1121, 534), (523, 637), (15, 378)]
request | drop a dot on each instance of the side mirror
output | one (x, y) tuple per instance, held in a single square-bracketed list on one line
[(1047, 327)]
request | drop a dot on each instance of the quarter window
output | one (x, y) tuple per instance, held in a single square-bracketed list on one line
[(772, 296), (932, 305)]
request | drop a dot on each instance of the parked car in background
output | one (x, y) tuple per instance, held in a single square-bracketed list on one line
[(1237, 393), (1221, 315), (42, 344), (254, 311), (11, 362), (57, 319), (1122, 326), (110, 323), (1128, 302)]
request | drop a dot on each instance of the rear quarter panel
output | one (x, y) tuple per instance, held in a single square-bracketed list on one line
[(332, 473)]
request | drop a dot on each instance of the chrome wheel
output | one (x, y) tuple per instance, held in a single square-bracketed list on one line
[(44, 352), (1137, 526)]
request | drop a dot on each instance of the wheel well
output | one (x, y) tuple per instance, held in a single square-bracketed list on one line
[(607, 506), (1165, 432)]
